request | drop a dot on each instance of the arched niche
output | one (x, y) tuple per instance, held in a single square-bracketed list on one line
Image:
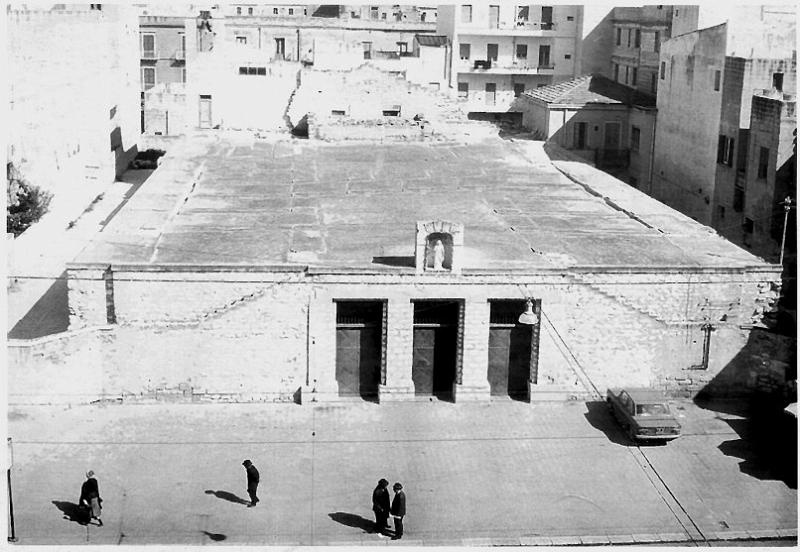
[(451, 235)]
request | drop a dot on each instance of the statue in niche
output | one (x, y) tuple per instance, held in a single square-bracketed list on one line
[(439, 252), (438, 255)]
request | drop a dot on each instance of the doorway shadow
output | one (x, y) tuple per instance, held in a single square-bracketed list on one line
[(353, 520), (230, 497), (72, 512)]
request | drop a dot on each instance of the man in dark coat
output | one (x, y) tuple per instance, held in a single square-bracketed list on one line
[(398, 510), (90, 497), (252, 482), (380, 505)]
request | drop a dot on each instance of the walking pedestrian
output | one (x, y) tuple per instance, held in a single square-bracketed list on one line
[(252, 482), (380, 505), (398, 510), (90, 497)]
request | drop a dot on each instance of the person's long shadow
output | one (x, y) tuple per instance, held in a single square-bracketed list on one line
[(72, 512), (230, 497), (216, 537), (353, 520)]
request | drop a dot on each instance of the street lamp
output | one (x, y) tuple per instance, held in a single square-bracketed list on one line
[(12, 537), (529, 317), (787, 206)]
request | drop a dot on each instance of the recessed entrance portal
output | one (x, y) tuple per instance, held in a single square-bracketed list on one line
[(436, 348), (509, 350), (359, 330)]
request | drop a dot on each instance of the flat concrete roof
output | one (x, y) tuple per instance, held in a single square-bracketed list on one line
[(232, 200)]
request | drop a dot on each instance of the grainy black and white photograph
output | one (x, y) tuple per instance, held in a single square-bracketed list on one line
[(460, 275)]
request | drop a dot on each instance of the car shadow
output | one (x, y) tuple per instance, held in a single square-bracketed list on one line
[(72, 512), (230, 497), (599, 415), (353, 520)]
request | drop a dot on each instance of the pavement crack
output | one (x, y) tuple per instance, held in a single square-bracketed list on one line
[(670, 500)]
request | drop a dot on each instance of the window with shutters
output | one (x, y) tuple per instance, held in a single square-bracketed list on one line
[(725, 150), (579, 135), (635, 138), (763, 162)]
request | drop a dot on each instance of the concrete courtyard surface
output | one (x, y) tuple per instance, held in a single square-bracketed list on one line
[(492, 473)]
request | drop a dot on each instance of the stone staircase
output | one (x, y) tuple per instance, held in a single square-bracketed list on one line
[(211, 314), (630, 304)]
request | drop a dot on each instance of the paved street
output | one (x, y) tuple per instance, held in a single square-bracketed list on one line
[(497, 473)]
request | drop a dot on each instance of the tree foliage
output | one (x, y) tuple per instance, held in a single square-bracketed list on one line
[(26, 202)]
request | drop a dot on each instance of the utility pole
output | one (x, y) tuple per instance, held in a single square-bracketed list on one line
[(787, 206), (12, 537)]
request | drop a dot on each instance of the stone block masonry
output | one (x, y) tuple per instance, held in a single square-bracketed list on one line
[(253, 335)]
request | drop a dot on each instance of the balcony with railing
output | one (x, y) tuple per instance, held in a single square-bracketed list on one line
[(179, 55), (387, 54), (511, 28), (149, 55), (493, 67)]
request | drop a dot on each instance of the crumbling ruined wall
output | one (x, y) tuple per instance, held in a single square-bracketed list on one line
[(367, 103)]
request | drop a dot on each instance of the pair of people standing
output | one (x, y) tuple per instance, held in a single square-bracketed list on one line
[(382, 509)]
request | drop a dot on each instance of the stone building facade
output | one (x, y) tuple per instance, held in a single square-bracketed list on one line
[(86, 134), (316, 278)]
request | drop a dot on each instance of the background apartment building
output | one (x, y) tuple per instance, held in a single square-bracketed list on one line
[(707, 82), (84, 136), (162, 42), (503, 49), (638, 33), (162, 51), (329, 37)]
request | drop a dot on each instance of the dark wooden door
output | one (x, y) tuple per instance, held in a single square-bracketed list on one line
[(434, 360), (358, 360), (509, 360)]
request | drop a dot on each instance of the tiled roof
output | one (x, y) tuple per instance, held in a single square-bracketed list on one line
[(591, 89), (431, 40)]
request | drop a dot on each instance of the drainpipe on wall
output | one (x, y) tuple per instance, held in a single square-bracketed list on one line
[(449, 62), (652, 156)]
